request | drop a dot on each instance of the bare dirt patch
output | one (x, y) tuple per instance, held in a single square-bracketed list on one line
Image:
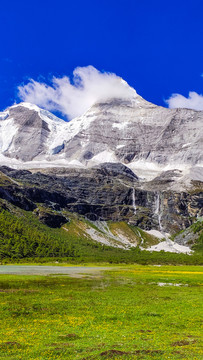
[(18, 290), (111, 353), (145, 331), (150, 352), (181, 343), (69, 336), (9, 344)]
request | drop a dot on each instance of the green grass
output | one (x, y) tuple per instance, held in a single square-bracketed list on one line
[(23, 238), (121, 314), (197, 228)]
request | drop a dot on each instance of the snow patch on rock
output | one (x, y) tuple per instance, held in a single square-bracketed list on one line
[(155, 233), (104, 156), (4, 115), (169, 245), (8, 130)]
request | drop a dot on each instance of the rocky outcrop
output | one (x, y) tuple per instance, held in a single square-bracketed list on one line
[(51, 219), (109, 192), (14, 195), (31, 134)]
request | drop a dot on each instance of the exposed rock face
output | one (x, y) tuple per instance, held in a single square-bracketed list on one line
[(31, 134), (14, 195), (187, 237), (110, 192), (132, 131), (50, 219)]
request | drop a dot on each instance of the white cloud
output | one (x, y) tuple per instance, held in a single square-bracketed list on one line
[(73, 99), (194, 101)]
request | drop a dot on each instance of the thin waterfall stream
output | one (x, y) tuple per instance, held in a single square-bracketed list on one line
[(158, 211), (133, 201)]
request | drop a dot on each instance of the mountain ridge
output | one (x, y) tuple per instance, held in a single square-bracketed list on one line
[(122, 160), (134, 132)]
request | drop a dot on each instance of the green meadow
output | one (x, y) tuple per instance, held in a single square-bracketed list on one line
[(126, 312)]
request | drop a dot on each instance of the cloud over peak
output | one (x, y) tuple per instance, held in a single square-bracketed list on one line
[(72, 99), (194, 101)]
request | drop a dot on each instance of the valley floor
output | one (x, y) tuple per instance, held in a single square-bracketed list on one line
[(121, 312)]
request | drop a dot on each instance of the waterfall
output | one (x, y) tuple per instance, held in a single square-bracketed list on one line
[(158, 211), (133, 201), (157, 204)]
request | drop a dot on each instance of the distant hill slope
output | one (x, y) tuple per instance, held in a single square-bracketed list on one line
[(107, 205), (24, 238)]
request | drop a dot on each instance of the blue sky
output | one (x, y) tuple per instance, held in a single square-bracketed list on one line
[(156, 46)]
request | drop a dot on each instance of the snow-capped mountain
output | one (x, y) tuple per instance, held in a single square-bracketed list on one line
[(122, 160), (145, 137)]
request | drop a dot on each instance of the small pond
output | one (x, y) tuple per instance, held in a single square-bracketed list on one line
[(51, 270)]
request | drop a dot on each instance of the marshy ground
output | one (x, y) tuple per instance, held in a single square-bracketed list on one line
[(124, 312)]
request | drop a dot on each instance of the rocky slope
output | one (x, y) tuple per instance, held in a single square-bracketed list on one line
[(109, 192)]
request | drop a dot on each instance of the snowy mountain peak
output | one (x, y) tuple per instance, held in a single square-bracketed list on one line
[(130, 102), (44, 114), (132, 131), (26, 105)]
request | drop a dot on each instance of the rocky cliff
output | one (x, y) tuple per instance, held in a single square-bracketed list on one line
[(106, 192)]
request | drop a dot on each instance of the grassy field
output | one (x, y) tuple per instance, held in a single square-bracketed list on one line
[(127, 312)]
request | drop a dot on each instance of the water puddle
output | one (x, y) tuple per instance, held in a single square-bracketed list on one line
[(75, 271), (170, 284)]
